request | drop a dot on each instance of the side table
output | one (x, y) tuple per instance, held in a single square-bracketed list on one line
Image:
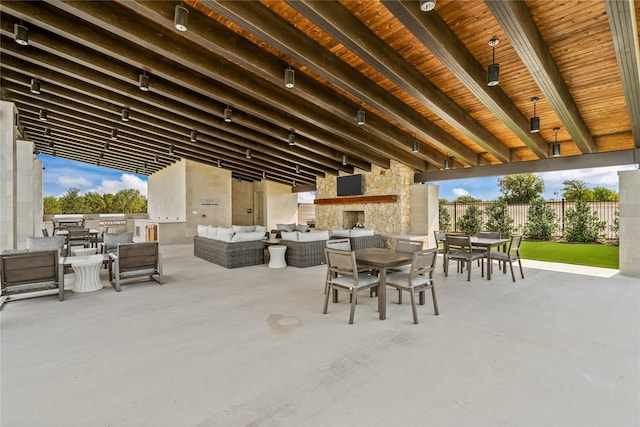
[(84, 251), (276, 254), (87, 276)]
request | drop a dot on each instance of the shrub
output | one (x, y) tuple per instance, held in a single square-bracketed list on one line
[(615, 227), (499, 219), (541, 224), (444, 218), (471, 221), (582, 224)]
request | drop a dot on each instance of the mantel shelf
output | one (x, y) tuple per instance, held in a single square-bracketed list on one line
[(387, 198)]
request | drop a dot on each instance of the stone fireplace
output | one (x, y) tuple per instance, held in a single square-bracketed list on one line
[(351, 218)]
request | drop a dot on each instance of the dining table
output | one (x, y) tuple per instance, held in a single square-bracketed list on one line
[(486, 244), (382, 259)]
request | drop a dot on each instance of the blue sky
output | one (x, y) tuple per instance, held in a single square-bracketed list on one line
[(60, 175)]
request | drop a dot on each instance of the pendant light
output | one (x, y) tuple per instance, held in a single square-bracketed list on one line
[(227, 114), (344, 160), (106, 146), (21, 34), (535, 120), (360, 117), (114, 134), (416, 145), (194, 136), (493, 73), (447, 163), (297, 168), (248, 155), (47, 132), (180, 18), (35, 86), (289, 77), (143, 82), (555, 148), (43, 115), (292, 138), (219, 163), (125, 114)]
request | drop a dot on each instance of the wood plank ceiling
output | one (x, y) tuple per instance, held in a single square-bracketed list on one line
[(418, 76)]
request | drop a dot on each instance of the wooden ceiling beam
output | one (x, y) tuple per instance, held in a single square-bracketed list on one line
[(262, 22), (268, 101), (516, 21), (219, 39), (624, 29), (206, 133), (434, 33), (335, 20)]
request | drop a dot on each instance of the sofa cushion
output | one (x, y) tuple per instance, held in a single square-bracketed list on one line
[(313, 236), (203, 230), (261, 228), (286, 227), (289, 235), (247, 237), (225, 234), (361, 232), (212, 232), (243, 228), (302, 228), (340, 233)]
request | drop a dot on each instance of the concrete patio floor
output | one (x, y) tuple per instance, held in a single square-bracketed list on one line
[(251, 347)]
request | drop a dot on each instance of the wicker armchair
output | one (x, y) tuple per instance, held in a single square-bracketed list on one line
[(229, 255), (305, 254)]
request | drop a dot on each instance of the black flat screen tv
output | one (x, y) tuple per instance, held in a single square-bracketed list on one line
[(350, 185)]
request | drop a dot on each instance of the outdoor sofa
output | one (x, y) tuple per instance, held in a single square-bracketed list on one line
[(305, 249), (230, 247)]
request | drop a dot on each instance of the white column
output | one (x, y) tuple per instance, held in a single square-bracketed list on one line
[(629, 184), (424, 210)]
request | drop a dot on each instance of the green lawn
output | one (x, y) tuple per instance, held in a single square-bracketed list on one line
[(595, 255)]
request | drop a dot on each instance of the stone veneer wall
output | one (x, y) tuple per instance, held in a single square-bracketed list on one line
[(383, 217)]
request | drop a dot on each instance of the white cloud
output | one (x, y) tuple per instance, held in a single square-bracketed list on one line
[(73, 181), (306, 197), (126, 181), (459, 192), (594, 177)]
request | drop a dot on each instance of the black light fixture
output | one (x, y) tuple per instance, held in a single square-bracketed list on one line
[(125, 114), (293, 183), (21, 34), (171, 149), (427, 5), (114, 134), (447, 163), (297, 168), (53, 153), (289, 77), (264, 175), (555, 148), (219, 163), (534, 122), (47, 132), (227, 114), (35, 86), (155, 159), (97, 162), (101, 156), (43, 115), (292, 138), (51, 143), (106, 146), (143, 82), (144, 165), (181, 18), (493, 73), (194, 136), (136, 171), (360, 117), (248, 153), (416, 145), (344, 160)]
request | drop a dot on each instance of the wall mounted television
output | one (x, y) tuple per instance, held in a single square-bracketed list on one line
[(350, 185)]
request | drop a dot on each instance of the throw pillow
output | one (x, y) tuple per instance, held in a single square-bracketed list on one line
[(261, 228), (302, 228), (212, 233), (203, 230), (313, 236), (243, 228), (286, 227)]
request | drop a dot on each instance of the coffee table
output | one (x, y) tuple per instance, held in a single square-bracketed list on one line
[(84, 261)]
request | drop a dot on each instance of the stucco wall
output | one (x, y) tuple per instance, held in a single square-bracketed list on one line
[(206, 185), (241, 200), (383, 217), (166, 193), (282, 204), (629, 184)]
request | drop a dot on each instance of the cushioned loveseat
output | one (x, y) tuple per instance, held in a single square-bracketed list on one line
[(305, 249), (230, 247)]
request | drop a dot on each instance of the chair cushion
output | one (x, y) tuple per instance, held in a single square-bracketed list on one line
[(400, 278), (313, 236), (503, 256), (347, 281), (289, 235)]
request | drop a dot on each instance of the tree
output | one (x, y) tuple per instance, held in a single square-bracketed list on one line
[(521, 188), (575, 189), (51, 206), (499, 219), (94, 202), (542, 220), (603, 194), (471, 221), (466, 199), (72, 202), (582, 224), (443, 217)]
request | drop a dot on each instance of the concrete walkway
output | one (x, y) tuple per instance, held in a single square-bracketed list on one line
[(251, 347)]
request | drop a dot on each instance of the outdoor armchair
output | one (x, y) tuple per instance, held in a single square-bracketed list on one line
[(417, 280), (112, 240), (29, 271), (342, 274), (135, 260)]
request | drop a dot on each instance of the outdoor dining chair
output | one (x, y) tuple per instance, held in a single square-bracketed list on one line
[(77, 237), (417, 280), (512, 254), (440, 237), (342, 274), (458, 248)]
